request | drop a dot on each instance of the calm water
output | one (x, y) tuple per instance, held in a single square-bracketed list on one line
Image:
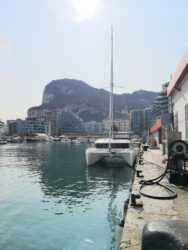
[(49, 199)]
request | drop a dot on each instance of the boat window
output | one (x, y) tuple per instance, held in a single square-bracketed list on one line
[(101, 145), (113, 145), (120, 145)]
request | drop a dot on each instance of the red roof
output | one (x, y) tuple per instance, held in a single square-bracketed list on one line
[(180, 73), (156, 126)]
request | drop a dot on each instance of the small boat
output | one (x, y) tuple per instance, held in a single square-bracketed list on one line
[(51, 138), (76, 141), (82, 139), (56, 139), (16, 139), (2, 141), (38, 137), (116, 148), (79, 140), (64, 139)]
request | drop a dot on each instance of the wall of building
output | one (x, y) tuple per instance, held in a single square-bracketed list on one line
[(69, 123), (92, 127), (179, 101), (119, 125), (26, 127)]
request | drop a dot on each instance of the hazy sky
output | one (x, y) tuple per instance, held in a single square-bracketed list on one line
[(44, 40)]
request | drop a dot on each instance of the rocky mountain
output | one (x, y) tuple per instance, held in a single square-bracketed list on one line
[(89, 103)]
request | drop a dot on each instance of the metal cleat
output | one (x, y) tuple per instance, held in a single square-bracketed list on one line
[(133, 200), (138, 173), (140, 161)]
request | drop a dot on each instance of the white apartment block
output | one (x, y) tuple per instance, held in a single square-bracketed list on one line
[(119, 125)]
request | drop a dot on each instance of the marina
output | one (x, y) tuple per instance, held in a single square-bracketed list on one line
[(48, 193), (94, 132)]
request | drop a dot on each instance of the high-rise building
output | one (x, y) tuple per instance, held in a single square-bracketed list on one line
[(136, 117), (68, 122), (160, 105), (147, 123)]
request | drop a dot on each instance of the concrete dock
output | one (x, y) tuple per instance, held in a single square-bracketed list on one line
[(149, 209)]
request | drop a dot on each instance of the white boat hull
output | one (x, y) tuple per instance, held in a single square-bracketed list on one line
[(126, 156)]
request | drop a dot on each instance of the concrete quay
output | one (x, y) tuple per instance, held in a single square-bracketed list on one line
[(149, 209)]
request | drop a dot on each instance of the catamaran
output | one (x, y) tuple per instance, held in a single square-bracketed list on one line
[(113, 149)]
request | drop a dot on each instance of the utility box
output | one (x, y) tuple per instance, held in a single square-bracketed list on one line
[(173, 136), (169, 137)]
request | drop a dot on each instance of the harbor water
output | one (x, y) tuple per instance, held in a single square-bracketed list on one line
[(50, 199)]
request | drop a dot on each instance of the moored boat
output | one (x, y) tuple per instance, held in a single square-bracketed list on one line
[(16, 139), (116, 148), (64, 139), (38, 137), (75, 141), (120, 151), (2, 141), (51, 138)]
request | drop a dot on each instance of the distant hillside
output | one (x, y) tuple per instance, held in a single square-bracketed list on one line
[(89, 103)]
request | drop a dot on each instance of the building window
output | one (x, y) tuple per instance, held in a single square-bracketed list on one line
[(186, 121)]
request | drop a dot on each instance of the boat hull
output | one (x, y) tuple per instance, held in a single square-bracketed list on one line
[(125, 156)]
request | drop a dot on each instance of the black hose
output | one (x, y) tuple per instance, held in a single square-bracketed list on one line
[(156, 181)]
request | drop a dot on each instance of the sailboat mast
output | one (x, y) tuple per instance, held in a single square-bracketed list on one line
[(111, 89)]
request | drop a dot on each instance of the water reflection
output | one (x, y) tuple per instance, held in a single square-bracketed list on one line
[(58, 182), (110, 174), (110, 181), (62, 172)]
